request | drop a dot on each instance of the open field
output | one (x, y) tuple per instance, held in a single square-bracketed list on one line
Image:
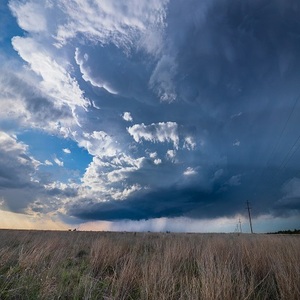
[(102, 265)]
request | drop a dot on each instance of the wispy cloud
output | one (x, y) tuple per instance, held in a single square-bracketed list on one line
[(189, 143), (66, 150), (48, 163), (58, 162), (56, 80), (190, 171)]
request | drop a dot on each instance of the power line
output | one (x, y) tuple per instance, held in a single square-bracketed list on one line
[(288, 157), (275, 147), (282, 131)]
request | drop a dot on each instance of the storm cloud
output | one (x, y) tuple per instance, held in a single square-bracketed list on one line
[(185, 108)]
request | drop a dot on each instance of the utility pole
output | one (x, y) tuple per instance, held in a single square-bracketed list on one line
[(236, 228), (240, 225), (249, 213)]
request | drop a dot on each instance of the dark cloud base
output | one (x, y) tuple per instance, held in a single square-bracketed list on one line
[(263, 189), (172, 202)]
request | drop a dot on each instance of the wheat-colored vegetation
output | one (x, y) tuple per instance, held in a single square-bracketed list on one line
[(91, 265)]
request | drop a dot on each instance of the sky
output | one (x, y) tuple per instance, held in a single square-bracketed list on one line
[(149, 115)]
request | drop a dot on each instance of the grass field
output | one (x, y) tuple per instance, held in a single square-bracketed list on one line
[(103, 265)]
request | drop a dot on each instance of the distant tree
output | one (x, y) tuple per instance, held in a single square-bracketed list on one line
[(295, 231)]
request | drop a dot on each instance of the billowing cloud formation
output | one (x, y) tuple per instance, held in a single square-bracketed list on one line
[(160, 132), (98, 143), (212, 89)]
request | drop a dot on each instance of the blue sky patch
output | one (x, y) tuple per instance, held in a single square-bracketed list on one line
[(44, 147)]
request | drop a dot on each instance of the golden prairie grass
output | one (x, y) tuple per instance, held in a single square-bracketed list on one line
[(103, 265)]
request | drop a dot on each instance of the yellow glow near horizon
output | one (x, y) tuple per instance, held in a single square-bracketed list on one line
[(10, 220), (96, 226)]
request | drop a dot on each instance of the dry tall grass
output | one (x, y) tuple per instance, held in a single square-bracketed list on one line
[(89, 265)]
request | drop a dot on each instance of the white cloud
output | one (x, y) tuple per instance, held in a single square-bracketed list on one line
[(153, 154), (98, 143), (190, 171), (16, 150), (236, 143), (56, 80), (108, 22), (189, 143), (156, 132), (127, 116), (48, 163), (67, 151), (10, 144), (30, 15), (157, 161), (58, 162), (105, 179), (171, 154), (122, 194), (95, 105)]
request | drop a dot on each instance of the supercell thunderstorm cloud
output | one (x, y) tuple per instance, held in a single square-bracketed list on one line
[(150, 115)]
